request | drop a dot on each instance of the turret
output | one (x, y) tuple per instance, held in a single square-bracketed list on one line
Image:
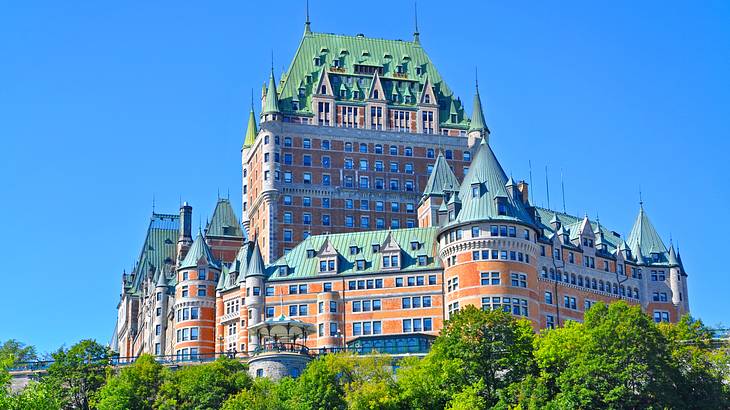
[(254, 293), (478, 126), (271, 111), (160, 313)]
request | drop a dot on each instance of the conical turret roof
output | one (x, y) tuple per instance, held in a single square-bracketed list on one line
[(486, 172), (644, 239), (199, 250), (256, 265), (673, 257), (271, 105), (478, 123), (250, 130), (441, 178)]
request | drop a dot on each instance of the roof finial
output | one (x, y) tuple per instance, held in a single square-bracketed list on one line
[(307, 28), (416, 34), (476, 78), (251, 99), (641, 201), (272, 61), (153, 203)]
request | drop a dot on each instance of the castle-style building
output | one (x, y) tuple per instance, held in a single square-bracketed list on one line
[(373, 209)]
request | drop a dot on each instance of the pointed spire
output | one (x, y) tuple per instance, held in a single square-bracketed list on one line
[(441, 178), (416, 34), (478, 123), (161, 278), (251, 129), (271, 105), (256, 264), (672, 256), (307, 27)]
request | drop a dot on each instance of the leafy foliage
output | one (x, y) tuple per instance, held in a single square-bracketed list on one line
[(203, 386), (77, 373), (134, 387)]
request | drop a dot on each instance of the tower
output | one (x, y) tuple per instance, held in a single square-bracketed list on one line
[(254, 294), (194, 307), (160, 312), (185, 236), (478, 126)]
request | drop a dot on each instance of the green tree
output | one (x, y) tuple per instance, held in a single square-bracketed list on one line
[(488, 349), (204, 386), (264, 394), (134, 387), (17, 351), (322, 384), (36, 396), (702, 368), (77, 373)]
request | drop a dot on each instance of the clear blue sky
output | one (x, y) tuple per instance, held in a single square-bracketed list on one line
[(103, 106)]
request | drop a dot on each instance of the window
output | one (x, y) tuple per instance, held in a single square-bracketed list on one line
[(325, 144), (325, 203), (430, 153), (333, 329), (194, 333), (363, 148), (307, 178), (519, 280), (550, 321), (660, 316), (569, 302), (269, 312), (398, 282), (467, 156), (549, 298), (185, 292), (378, 149), (306, 143), (201, 290), (490, 278), (393, 150)]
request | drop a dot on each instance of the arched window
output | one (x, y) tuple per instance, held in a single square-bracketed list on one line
[(348, 147), (376, 95), (615, 289), (593, 284), (628, 292), (566, 278), (552, 274), (324, 89), (601, 286), (426, 99), (636, 293), (623, 290), (378, 149), (572, 278), (544, 272), (580, 280)]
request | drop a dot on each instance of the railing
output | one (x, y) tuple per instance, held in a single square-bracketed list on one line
[(282, 347)]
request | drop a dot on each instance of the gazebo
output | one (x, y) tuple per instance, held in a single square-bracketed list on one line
[(282, 349)]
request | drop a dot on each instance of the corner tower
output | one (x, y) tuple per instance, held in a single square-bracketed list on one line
[(488, 245)]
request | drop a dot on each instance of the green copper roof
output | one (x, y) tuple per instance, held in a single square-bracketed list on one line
[(673, 261), (251, 131), (486, 174), (301, 265), (403, 67), (256, 266), (158, 250), (271, 105), (478, 123), (442, 178), (224, 222), (199, 250), (644, 239)]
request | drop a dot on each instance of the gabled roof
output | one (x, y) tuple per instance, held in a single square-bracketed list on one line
[(317, 51), (486, 173), (198, 250), (300, 265), (609, 238), (442, 178), (224, 222), (644, 239)]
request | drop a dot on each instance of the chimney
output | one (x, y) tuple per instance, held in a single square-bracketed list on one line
[(185, 238), (522, 187)]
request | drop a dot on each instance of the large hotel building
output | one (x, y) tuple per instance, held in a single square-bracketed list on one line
[(374, 208)]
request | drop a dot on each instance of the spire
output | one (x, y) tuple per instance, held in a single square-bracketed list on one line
[(307, 28), (416, 34), (672, 256), (256, 264), (478, 123), (271, 105), (251, 129)]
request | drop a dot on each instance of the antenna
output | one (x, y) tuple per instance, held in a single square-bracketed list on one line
[(272, 61), (547, 186), (562, 187), (153, 203), (532, 195), (641, 201)]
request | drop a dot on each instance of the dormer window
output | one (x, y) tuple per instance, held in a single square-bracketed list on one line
[(475, 190), (655, 257), (419, 70), (336, 63), (316, 61), (295, 105), (343, 93), (360, 264), (376, 248), (391, 262), (327, 265), (323, 90), (422, 260), (283, 270), (356, 94), (376, 95), (501, 206), (453, 118), (353, 250), (310, 253), (414, 245), (427, 99)]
